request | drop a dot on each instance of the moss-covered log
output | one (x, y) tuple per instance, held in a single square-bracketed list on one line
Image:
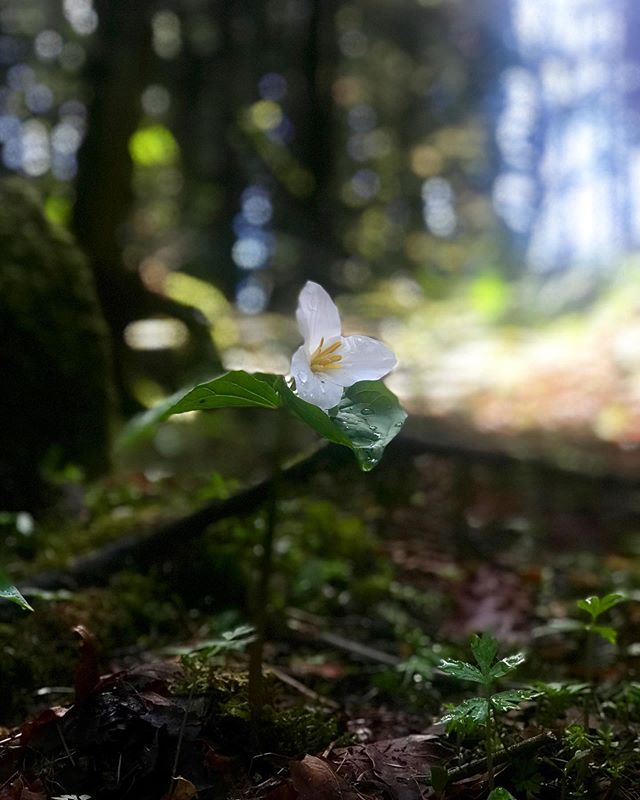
[(56, 393)]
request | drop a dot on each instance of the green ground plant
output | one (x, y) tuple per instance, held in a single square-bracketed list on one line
[(484, 711), (594, 607)]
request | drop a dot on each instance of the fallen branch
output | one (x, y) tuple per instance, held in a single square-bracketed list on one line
[(434, 438), (96, 567)]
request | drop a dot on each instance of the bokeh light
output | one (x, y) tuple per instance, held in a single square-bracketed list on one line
[(438, 209), (265, 115), (251, 296), (257, 207), (156, 334), (156, 100), (39, 98), (250, 252), (273, 86), (167, 34), (36, 155), (48, 45), (81, 16)]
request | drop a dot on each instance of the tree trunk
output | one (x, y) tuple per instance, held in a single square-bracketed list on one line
[(117, 73)]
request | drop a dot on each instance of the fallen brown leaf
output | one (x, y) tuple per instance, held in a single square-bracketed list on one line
[(315, 779), (19, 789), (181, 789)]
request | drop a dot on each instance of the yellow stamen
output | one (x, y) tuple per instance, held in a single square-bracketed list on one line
[(324, 358)]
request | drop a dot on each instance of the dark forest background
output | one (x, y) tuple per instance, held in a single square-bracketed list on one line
[(256, 144)]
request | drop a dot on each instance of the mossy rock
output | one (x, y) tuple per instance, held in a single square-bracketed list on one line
[(57, 394)]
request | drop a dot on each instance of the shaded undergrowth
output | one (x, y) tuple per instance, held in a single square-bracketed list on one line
[(375, 588)]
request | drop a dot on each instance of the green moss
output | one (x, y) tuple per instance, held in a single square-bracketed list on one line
[(41, 649), (328, 559), (57, 398), (288, 729)]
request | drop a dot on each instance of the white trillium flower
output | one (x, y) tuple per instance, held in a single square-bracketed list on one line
[(328, 362)]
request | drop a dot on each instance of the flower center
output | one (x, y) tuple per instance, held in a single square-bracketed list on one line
[(324, 358)]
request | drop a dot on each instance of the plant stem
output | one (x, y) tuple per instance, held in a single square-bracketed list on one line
[(588, 669), (256, 679), (489, 737), (261, 608)]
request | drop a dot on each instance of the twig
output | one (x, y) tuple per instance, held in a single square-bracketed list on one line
[(183, 725), (479, 765), (306, 625), (65, 745), (283, 676)]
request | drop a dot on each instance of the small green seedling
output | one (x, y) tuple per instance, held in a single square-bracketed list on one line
[(483, 711), (595, 606), (233, 641)]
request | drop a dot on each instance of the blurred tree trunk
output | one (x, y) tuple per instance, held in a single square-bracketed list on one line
[(118, 72), (317, 134), (310, 220), (211, 89)]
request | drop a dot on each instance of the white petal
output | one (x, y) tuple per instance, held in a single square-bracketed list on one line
[(320, 392), (363, 359), (317, 316), (300, 368), (311, 387)]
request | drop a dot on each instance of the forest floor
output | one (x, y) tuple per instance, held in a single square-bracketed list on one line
[(381, 582)]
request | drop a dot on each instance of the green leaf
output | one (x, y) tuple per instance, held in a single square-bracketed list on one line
[(484, 649), (233, 389), (313, 416), (594, 605), (237, 639), (506, 665), (366, 419), (505, 701), (500, 794), (559, 690), (461, 670), (12, 593), (475, 708), (606, 632), (370, 416)]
